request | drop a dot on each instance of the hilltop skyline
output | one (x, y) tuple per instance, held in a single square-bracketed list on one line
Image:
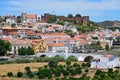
[(98, 10)]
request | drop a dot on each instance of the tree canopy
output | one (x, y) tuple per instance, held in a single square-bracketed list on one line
[(26, 51), (4, 47), (77, 15), (70, 16)]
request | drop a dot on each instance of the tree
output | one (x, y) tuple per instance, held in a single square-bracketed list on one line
[(22, 51), (77, 15), (13, 25), (53, 64), (70, 16), (30, 51), (9, 74), (68, 62), (107, 47), (86, 70), (52, 19), (72, 58), (18, 19), (19, 74), (4, 47), (26, 51)]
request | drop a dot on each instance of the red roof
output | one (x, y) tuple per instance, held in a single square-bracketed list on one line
[(30, 32), (31, 16), (56, 44)]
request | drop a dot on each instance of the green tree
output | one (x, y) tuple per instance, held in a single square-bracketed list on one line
[(22, 51), (68, 62), (77, 15), (9, 74), (107, 47), (70, 16), (52, 19), (53, 64), (19, 19), (19, 74), (30, 51), (13, 25), (86, 70), (4, 47)]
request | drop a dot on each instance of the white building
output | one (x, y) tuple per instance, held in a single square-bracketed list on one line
[(10, 19), (58, 48), (107, 61)]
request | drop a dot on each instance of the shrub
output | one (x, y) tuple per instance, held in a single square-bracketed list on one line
[(68, 62), (9, 74), (53, 64), (19, 74), (86, 70), (22, 61), (72, 58)]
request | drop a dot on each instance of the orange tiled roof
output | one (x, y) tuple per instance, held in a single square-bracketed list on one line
[(31, 16), (13, 33), (30, 32), (6, 39), (57, 45), (108, 55)]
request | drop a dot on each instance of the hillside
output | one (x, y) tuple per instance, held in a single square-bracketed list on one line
[(109, 24)]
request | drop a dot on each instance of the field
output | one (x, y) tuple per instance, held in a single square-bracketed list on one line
[(14, 68)]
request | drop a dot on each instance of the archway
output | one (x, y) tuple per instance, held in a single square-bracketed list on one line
[(43, 56), (88, 59)]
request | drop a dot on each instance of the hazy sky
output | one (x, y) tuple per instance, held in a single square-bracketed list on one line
[(98, 10)]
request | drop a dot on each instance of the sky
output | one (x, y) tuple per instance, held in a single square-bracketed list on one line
[(98, 10)]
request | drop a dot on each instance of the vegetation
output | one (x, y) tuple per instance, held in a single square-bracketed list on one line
[(19, 19), (78, 15), (70, 16), (19, 74), (107, 47), (9, 74), (68, 72), (52, 19), (61, 23), (13, 25), (26, 51), (4, 47), (69, 32)]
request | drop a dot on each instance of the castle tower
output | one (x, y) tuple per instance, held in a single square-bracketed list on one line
[(85, 20), (24, 17)]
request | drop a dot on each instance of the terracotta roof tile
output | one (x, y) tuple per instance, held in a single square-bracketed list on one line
[(31, 16), (57, 45)]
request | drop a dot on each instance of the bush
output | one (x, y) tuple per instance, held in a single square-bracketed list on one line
[(9, 74), (68, 62), (86, 70), (72, 58), (19, 74), (22, 61), (53, 64)]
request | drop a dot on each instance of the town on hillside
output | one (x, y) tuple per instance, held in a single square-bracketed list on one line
[(29, 36)]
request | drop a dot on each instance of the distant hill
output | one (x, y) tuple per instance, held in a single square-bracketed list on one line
[(108, 24)]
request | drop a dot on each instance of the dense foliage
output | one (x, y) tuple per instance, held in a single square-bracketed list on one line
[(4, 47), (26, 51)]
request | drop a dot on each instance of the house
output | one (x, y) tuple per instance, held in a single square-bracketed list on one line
[(106, 61), (10, 19), (17, 44), (29, 18), (58, 48), (39, 46), (30, 34), (61, 35)]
